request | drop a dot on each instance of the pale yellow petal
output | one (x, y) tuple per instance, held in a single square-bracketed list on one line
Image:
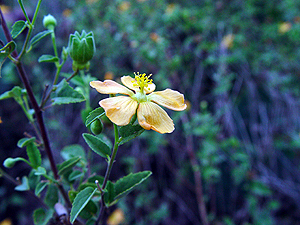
[(168, 98), (110, 87), (152, 116), (119, 109), (128, 81)]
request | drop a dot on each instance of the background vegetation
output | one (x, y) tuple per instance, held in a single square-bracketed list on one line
[(237, 62)]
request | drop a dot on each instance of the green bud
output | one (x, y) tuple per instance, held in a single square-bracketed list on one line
[(64, 53), (81, 49), (97, 127), (49, 22), (9, 162)]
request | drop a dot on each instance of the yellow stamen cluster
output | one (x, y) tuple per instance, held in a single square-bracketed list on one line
[(142, 81)]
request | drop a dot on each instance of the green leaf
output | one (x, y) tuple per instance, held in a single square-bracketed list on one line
[(25, 141), (42, 217), (109, 196), (68, 165), (16, 92), (97, 145), (24, 186), (74, 175), (37, 38), (95, 114), (5, 52), (65, 94), (71, 151), (126, 184), (34, 155), (40, 187), (48, 58), (89, 210), (51, 197), (129, 132), (72, 195), (17, 28), (81, 200), (40, 171)]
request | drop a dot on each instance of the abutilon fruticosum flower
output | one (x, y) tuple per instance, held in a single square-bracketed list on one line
[(139, 98)]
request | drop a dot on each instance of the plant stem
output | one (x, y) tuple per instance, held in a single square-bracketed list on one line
[(107, 174), (37, 109)]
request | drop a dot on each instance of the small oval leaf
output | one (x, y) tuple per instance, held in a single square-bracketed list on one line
[(40, 187), (34, 155), (37, 38), (126, 184), (24, 186), (95, 114), (48, 58), (68, 165), (65, 94), (17, 28), (97, 145), (25, 141), (80, 201)]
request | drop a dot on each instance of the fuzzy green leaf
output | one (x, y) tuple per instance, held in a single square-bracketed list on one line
[(95, 114), (97, 145), (16, 92), (25, 141), (40, 171), (129, 132), (65, 94), (40, 187), (68, 165), (48, 58), (126, 184), (51, 197), (5, 52), (80, 201), (24, 186), (74, 175), (42, 217), (37, 38), (17, 28), (71, 151), (109, 195), (34, 155)]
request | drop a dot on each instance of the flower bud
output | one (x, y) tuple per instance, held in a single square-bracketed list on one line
[(81, 49), (9, 162), (96, 127), (49, 22)]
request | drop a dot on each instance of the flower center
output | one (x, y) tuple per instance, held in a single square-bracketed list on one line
[(142, 81)]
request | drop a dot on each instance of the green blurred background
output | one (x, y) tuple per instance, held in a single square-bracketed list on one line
[(237, 63)]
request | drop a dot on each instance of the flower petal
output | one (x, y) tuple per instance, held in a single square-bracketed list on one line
[(110, 87), (119, 109), (151, 116), (168, 98), (128, 81)]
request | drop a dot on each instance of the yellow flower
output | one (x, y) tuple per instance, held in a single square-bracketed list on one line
[(140, 99)]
